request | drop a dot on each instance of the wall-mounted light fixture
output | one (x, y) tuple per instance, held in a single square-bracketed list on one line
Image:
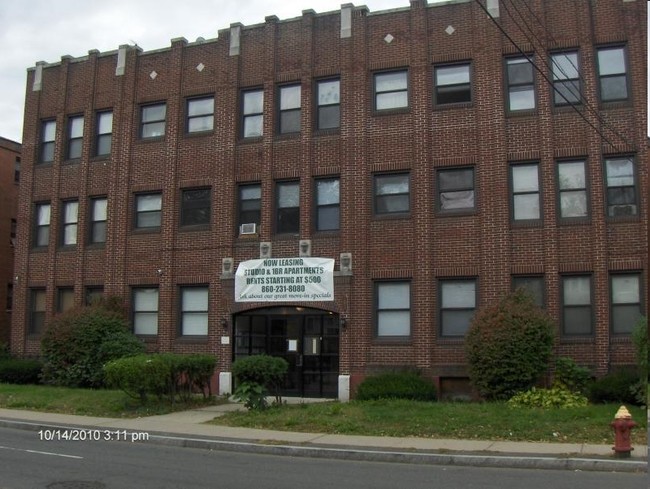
[(159, 271), (224, 324)]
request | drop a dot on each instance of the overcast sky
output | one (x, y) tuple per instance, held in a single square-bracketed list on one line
[(45, 30)]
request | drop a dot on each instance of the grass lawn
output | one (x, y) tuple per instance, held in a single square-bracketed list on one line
[(86, 402), (480, 421)]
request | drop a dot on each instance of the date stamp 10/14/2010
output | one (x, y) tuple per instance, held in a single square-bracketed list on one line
[(85, 434)]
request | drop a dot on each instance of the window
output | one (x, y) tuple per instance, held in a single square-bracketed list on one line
[(456, 189), (17, 170), (457, 306), (48, 135), (576, 305), (521, 86), (12, 232), (148, 211), (69, 221), (75, 137), (452, 84), (98, 218), (328, 204), (288, 207), (36, 311), (64, 299), (393, 303), (104, 136), (566, 78), (534, 285), (289, 109), (625, 302), (194, 311), (621, 188), (392, 193), (250, 204), (93, 295), (10, 297), (391, 90), (41, 225), (612, 73), (252, 113), (525, 192), (152, 121), (328, 93), (200, 114), (145, 311), (572, 185), (195, 206)]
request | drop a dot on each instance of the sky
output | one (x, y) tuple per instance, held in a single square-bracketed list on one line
[(45, 30)]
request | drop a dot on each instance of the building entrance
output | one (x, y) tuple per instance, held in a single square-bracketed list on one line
[(308, 339)]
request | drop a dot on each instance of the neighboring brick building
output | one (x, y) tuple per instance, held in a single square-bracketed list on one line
[(417, 147), (9, 180)]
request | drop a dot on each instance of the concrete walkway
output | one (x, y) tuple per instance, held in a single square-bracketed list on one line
[(188, 428)]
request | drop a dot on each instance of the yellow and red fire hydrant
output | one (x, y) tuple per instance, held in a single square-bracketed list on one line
[(622, 425)]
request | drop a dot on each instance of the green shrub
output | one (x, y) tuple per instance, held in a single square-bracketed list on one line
[(614, 387), (508, 346), (556, 397), (161, 374), (252, 394), (5, 353), (396, 385), (265, 370), (20, 371), (640, 340), (571, 376), (77, 344)]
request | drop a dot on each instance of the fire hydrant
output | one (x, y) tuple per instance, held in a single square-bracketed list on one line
[(622, 425)]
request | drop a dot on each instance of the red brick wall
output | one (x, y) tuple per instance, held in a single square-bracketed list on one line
[(9, 151), (423, 246)]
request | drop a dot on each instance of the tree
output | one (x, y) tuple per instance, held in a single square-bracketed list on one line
[(508, 346), (77, 344)]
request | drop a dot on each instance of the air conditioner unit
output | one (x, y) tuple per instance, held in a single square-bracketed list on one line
[(623, 210), (248, 228)]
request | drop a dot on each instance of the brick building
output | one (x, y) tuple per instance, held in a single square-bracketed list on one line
[(9, 180), (439, 154)]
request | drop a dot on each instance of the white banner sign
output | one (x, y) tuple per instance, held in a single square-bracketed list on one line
[(285, 280)]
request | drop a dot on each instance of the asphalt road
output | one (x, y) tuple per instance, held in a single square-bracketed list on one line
[(28, 462)]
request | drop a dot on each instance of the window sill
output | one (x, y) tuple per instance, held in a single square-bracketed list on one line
[(615, 104), (194, 228), (392, 216), (156, 139), (526, 224), (521, 113), (251, 140), (574, 221), (96, 246), (331, 233), (571, 340), (335, 131), (392, 340), (457, 213), (138, 231), (70, 162), (67, 248), (622, 219), (198, 134), (39, 249), (100, 158), (290, 136), (201, 339), (43, 164), (451, 106), (620, 338), (451, 340), (396, 111)]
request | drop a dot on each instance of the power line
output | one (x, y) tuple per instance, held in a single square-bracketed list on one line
[(530, 60), (583, 99)]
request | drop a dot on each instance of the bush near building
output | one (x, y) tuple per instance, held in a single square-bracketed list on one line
[(508, 346), (396, 385), (257, 374), (77, 344)]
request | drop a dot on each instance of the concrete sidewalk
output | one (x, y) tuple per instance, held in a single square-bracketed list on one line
[(188, 428)]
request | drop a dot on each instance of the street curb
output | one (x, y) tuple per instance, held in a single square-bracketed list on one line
[(364, 454)]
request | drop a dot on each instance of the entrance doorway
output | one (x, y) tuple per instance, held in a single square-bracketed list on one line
[(308, 339)]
